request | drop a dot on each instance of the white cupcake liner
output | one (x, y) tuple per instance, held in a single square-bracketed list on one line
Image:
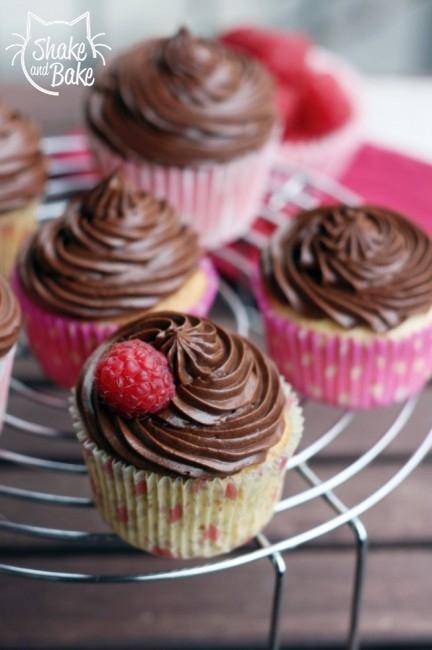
[(188, 518), (6, 363)]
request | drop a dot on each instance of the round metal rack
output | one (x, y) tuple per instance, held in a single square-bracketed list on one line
[(241, 315)]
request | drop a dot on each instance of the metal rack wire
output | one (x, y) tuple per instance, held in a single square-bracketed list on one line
[(289, 191)]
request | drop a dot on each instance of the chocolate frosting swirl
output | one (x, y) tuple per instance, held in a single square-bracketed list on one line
[(10, 317), (355, 266), (226, 413), (115, 251), (182, 101), (23, 167)]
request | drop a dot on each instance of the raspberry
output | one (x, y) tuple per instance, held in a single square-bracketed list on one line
[(325, 106), (288, 102), (284, 53), (134, 379)]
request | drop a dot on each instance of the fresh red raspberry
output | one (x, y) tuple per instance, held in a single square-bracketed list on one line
[(325, 105), (284, 53), (288, 102), (134, 379)]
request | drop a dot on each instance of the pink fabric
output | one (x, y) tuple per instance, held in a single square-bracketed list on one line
[(62, 345), (394, 180)]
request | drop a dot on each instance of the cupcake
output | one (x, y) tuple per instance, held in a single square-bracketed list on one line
[(346, 296), (186, 430), (114, 255), (190, 121), (23, 172), (319, 97), (10, 322)]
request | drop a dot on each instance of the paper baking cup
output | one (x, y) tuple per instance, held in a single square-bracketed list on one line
[(220, 201), (330, 154), (15, 227), (6, 363), (188, 518), (347, 370), (61, 345)]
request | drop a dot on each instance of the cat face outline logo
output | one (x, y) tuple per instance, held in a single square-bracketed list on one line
[(49, 62)]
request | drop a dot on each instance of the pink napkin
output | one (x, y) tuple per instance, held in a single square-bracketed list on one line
[(377, 175), (393, 180)]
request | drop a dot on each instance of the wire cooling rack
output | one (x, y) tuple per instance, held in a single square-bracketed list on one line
[(290, 190)]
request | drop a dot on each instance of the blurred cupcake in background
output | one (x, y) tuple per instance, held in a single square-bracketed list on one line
[(115, 254), (186, 431), (193, 122), (319, 98), (10, 323), (23, 174), (346, 296)]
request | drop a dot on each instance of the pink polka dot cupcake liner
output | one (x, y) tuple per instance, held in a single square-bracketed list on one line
[(187, 518), (345, 370), (61, 345), (6, 363), (220, 201)]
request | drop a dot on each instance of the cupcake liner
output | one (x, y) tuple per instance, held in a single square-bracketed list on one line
[(330, 154), (6, 363), (187, 518), (62, 345), (219, 201), (346, 370), (15, 227)]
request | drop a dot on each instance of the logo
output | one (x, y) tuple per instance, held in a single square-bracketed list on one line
[(56, 53)]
